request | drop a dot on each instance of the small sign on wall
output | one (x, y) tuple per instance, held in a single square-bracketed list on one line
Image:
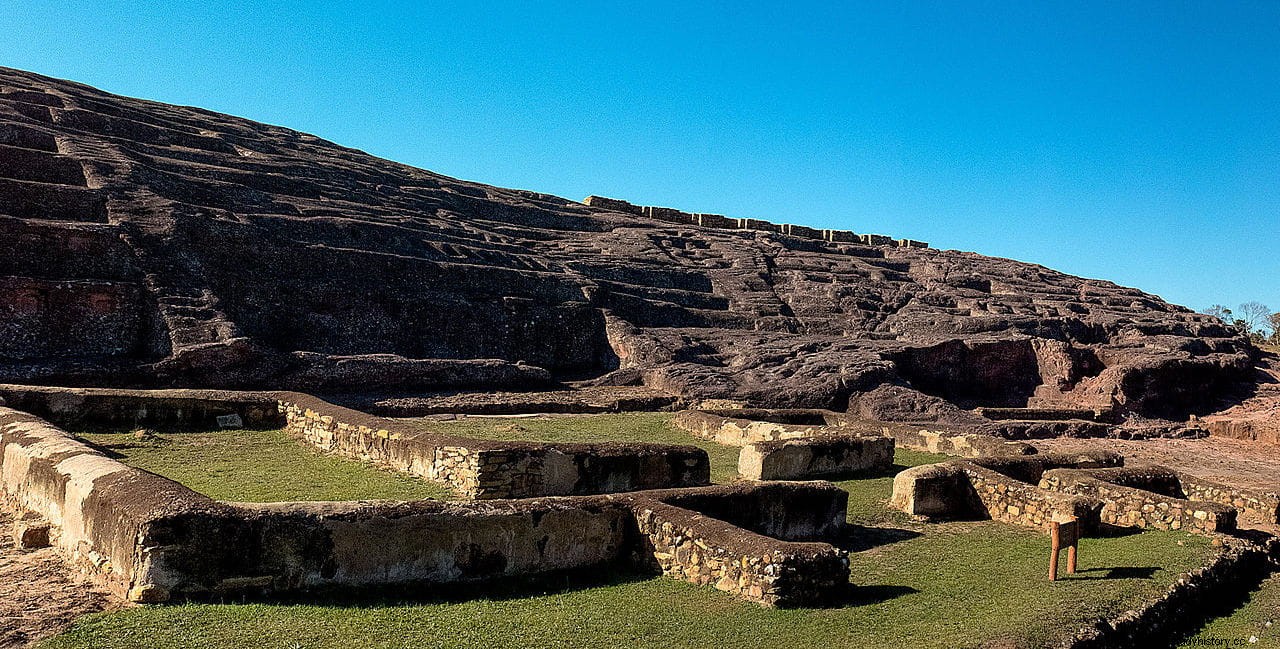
[(230, 421)]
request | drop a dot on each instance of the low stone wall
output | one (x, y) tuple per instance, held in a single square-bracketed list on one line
[(99, 507), (816, 457), (706, 551), (1018, 430), (485, 469), (188, 409), (481, 469), (1000, 489), (1127, 500), (1181, 609), (961, 489), (1031, 468), (970, 445), (1013, 501), (739, 430), (794, 511), (753, 425), (299, 547), (1258, 505), (150, 539)]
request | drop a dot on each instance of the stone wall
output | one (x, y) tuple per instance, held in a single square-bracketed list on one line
[(189, 409), (943, 442), (710, 552), (150, 539), (1013, 501), (1030, 468), (717, 221), (482, 469), (736, 430), (794, 511), (831, 455), (373, 545), (99, 507), (961, 489), (1105, 415), (1181, 609), (1128, 502), (486, 469), (754, 425), (1261, 506), (1005, 489)]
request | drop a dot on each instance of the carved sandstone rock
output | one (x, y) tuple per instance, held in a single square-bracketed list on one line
[(148, 245)]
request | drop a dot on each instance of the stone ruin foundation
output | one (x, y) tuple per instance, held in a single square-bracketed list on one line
[(534, 510), (637, 507)]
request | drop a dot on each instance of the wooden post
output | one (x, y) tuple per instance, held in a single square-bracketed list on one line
[(1063, 533), (1055, 545)]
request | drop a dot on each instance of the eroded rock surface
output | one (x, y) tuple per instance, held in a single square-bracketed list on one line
[(155, 245)]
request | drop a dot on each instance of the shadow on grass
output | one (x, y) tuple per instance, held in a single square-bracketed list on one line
[(859, 538), (112, 450), (1128, 572), (866, 474), (877, 594), (450, 593)]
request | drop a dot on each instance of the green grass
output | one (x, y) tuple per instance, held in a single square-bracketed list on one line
[(261, 466), (943, 585), (960, 588), (868, 496), (1258, 618), (653, 427)]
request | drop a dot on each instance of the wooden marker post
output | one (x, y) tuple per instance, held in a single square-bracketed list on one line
[(1060, 534)]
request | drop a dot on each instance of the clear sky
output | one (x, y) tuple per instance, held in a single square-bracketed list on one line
[(1135, 141)]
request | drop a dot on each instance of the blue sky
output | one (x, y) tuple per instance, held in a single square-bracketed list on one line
[(1137, 142)]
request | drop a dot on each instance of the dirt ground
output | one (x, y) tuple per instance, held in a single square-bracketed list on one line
[(39, 594)]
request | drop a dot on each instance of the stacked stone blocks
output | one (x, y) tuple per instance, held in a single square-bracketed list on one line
[(671, 215)]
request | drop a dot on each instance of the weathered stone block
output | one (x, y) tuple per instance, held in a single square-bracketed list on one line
[(814, 457), (805, 232), (756, 224), (840, 236), (932, 491)]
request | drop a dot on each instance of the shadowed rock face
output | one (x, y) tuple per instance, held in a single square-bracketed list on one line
[(155, 245)]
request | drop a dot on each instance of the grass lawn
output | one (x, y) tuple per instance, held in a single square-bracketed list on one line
[(261, 466), (1258, 618), (946, 585)]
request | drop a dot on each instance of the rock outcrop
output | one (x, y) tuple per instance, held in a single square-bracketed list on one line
[(150, 245)]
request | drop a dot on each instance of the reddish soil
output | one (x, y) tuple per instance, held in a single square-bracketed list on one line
[(1256, 418), (39, 594)]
